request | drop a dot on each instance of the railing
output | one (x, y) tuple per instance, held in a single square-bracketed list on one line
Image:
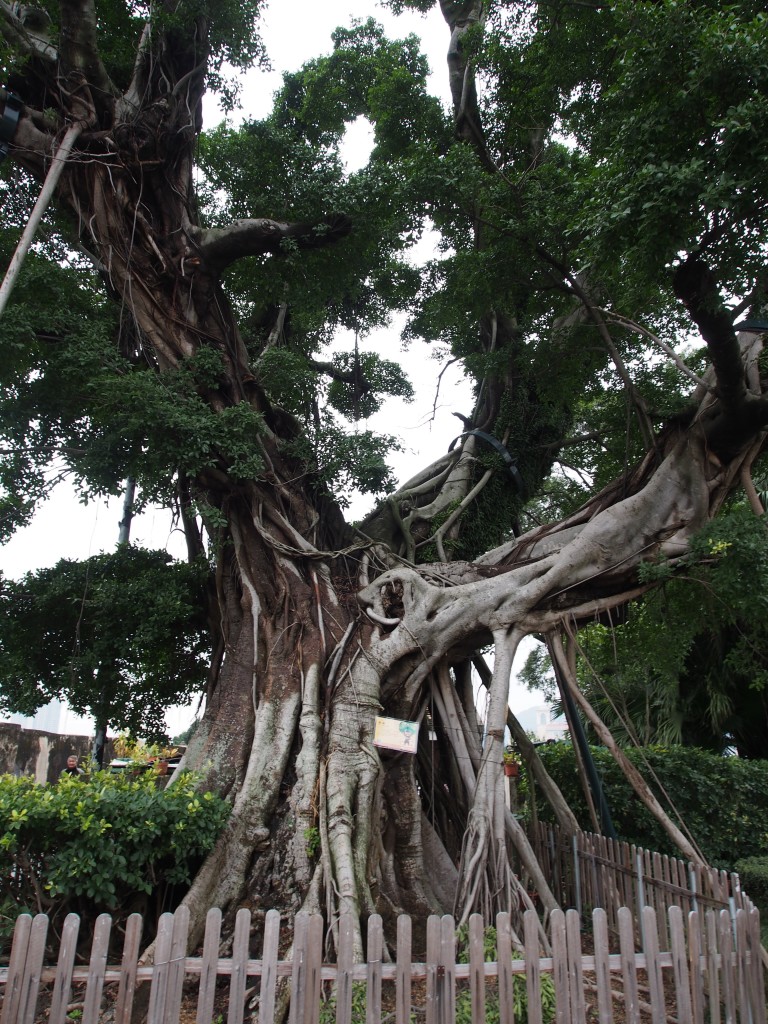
[(691, 968), (586, 871)]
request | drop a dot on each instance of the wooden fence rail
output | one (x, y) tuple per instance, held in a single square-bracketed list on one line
[(690, 968)]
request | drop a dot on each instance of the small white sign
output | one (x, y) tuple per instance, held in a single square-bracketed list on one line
[(396, 734)]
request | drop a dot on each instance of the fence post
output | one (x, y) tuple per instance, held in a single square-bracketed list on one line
[(576, 873), (446, 981), (237, 979), (206, 992), (96, 970), (62, 987), (477, 968), (373, 984), (640, 889), (403, 980), (504, 960)]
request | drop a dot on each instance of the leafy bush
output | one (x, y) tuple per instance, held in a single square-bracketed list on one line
[(722, 800), (96, 844), (753, 872)]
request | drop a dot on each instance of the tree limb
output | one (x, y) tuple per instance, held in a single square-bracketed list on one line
[(220, 247), (23, 36), (696, 287)]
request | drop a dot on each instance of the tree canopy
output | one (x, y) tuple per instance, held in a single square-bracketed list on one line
[(120, 636), (195, 317)]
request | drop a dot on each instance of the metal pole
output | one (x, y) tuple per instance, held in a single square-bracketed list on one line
[(43, 200)]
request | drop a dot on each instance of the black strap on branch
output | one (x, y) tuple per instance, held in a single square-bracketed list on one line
[(495, 443), (9, 122)]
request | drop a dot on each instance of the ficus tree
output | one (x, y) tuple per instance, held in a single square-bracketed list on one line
[(597, 183)]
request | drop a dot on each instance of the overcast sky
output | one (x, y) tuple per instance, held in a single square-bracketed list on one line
[(293, 31)]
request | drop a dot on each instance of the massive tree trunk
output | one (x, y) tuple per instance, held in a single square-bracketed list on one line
[(325, 627)]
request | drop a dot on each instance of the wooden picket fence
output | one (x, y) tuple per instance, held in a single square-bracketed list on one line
[(704, 966), (587, 870)]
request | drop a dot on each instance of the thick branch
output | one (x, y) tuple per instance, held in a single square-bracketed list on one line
[(220, 247), (23, 34), (696, 287), (78, 46)]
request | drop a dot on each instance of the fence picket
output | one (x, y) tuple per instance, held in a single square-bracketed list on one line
[(126, 988), (269, 956), (33, 967), (206, 992), (504, 959), (741, 967), (97, 968), (559, 966), (433, 955), (628, 969), (15, 973), (713, 968), (727, 978), (62, 986), (344, 965), (160, 972), (403, 975), (446, 981), (299, 970), (175, 985), (477, 968), (695, 951), (575, 971), (602, 966), (680, 966), (653, 970), (757, 973), (532, 966), (239, 975), (659, 903), (373, 974), (314, 969)]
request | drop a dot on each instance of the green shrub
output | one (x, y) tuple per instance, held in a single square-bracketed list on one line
[(753, 873), (93, 844), (722, 800)]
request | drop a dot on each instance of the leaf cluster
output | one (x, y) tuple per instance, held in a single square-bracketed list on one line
[(690, 663)]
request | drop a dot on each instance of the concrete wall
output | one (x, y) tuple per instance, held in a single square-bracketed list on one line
[(41, 755)]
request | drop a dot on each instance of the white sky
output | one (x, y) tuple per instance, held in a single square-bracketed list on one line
[(294, 31)]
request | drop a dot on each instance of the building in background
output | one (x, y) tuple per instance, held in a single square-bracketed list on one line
[(56, 717)]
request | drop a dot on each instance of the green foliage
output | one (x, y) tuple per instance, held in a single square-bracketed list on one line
[(753, 872), (343, 461), (359, 1003), (690, 663), (312, 836), (519, 987), (67, 391), (723, 801), (121, 636), (91, 844)]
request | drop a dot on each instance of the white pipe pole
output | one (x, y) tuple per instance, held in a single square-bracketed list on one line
[(46, 194)]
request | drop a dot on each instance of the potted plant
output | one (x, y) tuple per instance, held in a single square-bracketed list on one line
[(511, 764)]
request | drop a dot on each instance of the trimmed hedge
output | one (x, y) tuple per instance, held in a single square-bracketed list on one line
[(722, 800)]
